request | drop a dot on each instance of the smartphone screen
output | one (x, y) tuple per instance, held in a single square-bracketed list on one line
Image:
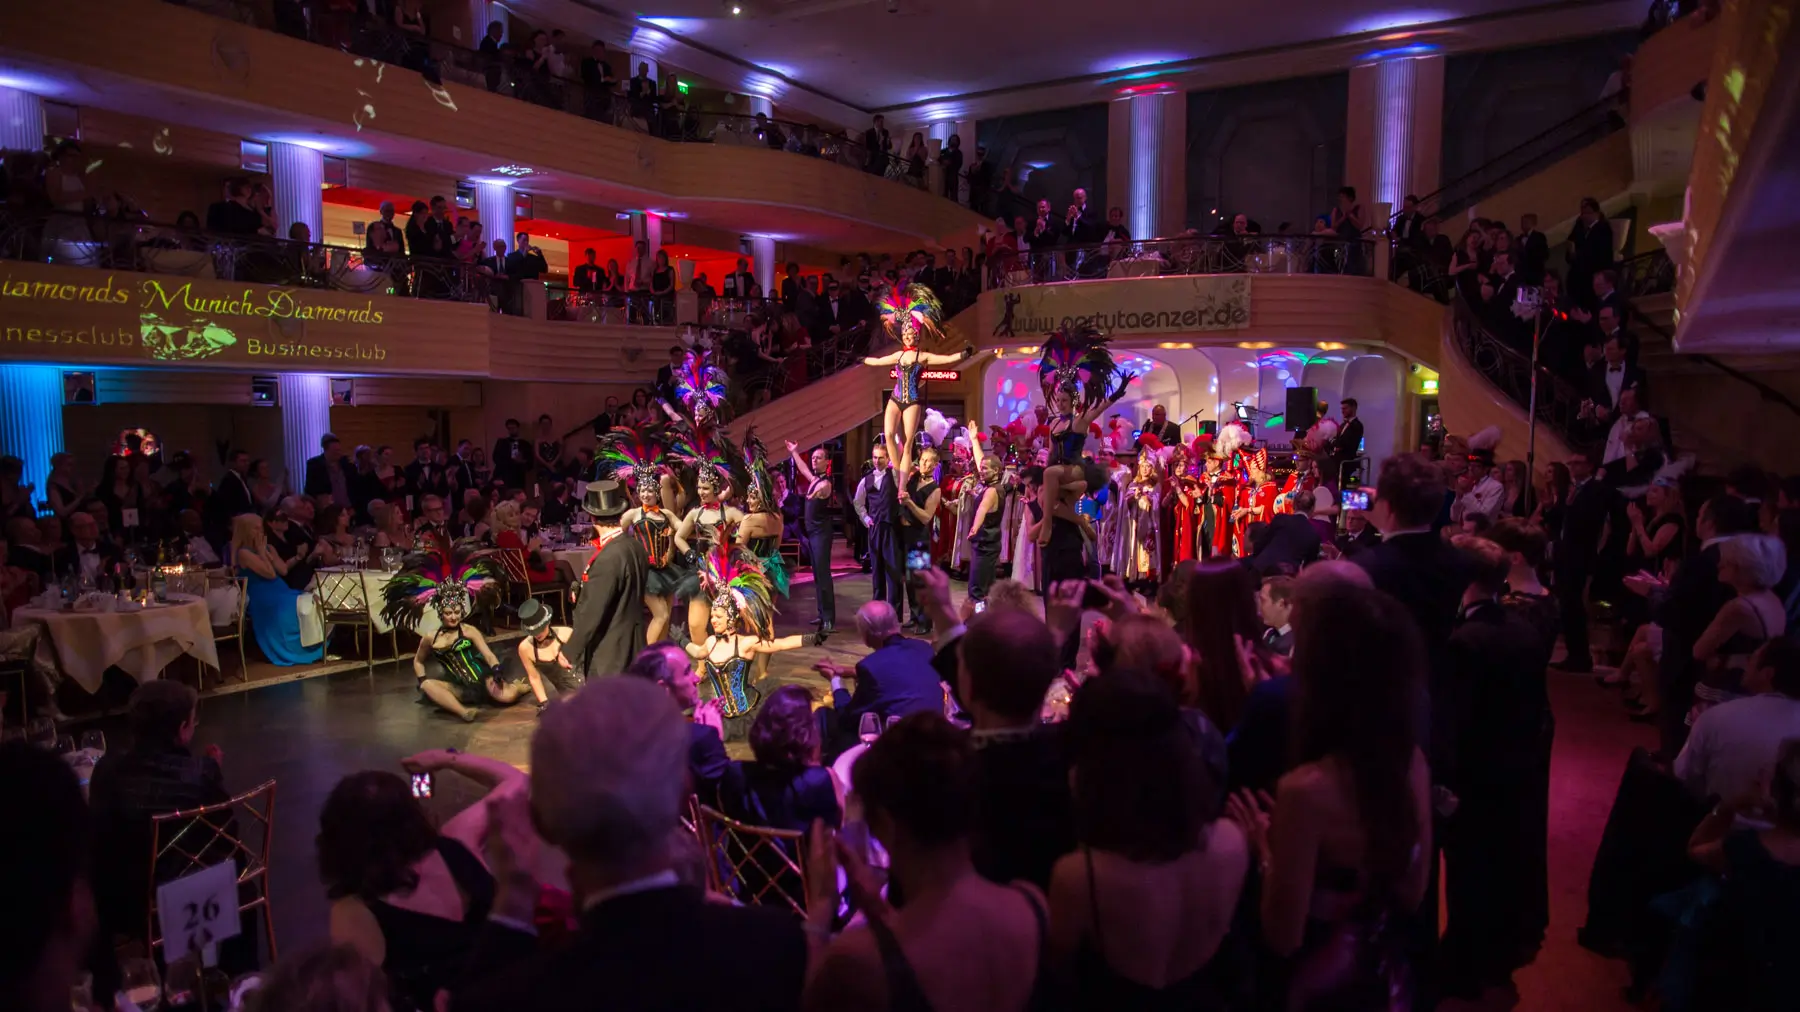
[(1355, 499), (421, 785)]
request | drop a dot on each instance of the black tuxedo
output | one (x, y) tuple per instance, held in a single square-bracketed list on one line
[(633, 953), (1692, 601), (1533, 249), (1347, 443), (1043, 233), (1024, 818), (231, 497), (464, 474), (1577, 551), (1257, 750), (1086, 227), (609, 627), (589, 279), (707, 762), (1409, 229), (1291, 541), (739, 285), (424, 480), (508, 471), (875, 147), (896, 680), (67, 559), (1600, 393), (1427, 576), (887, 569)]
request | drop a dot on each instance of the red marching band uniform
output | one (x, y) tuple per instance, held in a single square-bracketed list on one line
[(1258, 497)]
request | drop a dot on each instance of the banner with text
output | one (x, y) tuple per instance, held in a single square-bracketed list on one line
[(1172, 305), (80, 316)]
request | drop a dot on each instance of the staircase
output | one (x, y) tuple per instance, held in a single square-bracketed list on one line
[(1483, 381), (1567, 152), (849, 395)]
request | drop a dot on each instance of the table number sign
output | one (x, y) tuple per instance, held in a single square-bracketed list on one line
[(197, 911)]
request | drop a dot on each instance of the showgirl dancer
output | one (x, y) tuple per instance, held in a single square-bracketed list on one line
[(907, 314), (741, 621), (1078, 377), (636, 458), (699, 444), (454, 665), (760, 531)]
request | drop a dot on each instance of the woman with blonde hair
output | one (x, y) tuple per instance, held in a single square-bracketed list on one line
[(269, 602), (509, 535)]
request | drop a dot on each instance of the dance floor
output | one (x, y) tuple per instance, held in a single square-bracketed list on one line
[(307, 734)]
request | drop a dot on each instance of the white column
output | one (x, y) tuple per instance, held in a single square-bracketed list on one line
[(480, 14), (299, 177), (762, 262), (1148, 129), (648, 227), (1396, 87), (31, 419), (494, 204), (759, 103), (305, 418), (21, 121), (940, 131)]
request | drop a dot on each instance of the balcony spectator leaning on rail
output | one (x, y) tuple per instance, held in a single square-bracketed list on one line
[(876, 147)]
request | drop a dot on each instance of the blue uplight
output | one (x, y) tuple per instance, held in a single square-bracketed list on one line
[(31, 419), (1400, 52)]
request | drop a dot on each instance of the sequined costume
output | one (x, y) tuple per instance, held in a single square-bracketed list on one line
[(657, 527), (728, 681), (909, 386), (462, 667)]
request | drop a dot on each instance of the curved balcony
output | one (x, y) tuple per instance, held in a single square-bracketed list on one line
[(226, 76)]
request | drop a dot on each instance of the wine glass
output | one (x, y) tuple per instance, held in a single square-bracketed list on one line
[(891, 721), (141, 984), (868, 727)]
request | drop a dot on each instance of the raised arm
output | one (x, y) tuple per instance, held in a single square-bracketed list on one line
[(878, 360), (800, 465), (774, 646)]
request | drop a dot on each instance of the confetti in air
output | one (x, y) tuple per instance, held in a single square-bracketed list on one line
[(442, 95), (161, 143)]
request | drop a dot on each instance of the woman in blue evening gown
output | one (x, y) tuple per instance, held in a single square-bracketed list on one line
[(270, 605)]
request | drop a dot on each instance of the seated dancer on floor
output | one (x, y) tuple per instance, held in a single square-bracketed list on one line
[(454, 665), (1078, 377), (760, 531), (540, 653), (629, 455), (909, 314), (742, 622)]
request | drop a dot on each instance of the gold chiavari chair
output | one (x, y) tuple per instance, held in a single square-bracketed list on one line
[(240, 829), (754, 864), (343, 599), (232, 631), (518, 575)]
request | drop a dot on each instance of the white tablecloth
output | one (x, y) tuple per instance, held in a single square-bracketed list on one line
[(83, 644), (367, 587), (577, 557)]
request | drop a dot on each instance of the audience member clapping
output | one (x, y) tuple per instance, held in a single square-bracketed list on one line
[(959, 940)]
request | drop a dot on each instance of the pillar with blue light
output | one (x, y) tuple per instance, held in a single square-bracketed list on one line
[(495, 206), (31, 419), (1147, 159), (305, 418), (1393, 141), (762, 262), (298, 175), (21, 120)]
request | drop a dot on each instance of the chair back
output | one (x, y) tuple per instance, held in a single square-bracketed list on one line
[(512, 562), (240, 829), (342, 597), (754, 864), (240, 587)]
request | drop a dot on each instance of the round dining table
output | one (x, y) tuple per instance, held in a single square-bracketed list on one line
[(83, 643)]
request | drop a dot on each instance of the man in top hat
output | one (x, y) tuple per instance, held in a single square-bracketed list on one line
[(609, 613)]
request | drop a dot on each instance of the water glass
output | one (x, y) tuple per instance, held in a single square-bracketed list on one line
[(891, 721), (868, 728), (141, 984)]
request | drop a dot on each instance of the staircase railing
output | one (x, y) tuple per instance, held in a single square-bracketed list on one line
[(1532, 155), (1509, 370), (1767, 392), (1651, 273)]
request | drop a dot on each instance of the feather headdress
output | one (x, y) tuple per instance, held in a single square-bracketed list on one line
[(700, 385), (704, 449), (935, 425), (440, 575), (756, 466), (735, 581), (1666, 476), (1079, 362), (630, 451), (1232, 438), (909, 313)]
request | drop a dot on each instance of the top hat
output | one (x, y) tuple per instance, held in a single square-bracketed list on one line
[(604, 499), (533, 616)]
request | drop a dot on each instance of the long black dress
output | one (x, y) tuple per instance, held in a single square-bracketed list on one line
[(1494, 848)]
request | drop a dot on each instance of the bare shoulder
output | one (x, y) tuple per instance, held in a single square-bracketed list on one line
[(1309, 782)]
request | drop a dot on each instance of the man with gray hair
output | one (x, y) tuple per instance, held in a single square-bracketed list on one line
[(607, 787), (669, 666), (895, 680)]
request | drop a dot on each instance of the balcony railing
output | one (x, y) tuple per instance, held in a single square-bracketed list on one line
[(136, 244), (1649, 273), (1508, 367), (1250, 254), (1529, 157), (660, 115)]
